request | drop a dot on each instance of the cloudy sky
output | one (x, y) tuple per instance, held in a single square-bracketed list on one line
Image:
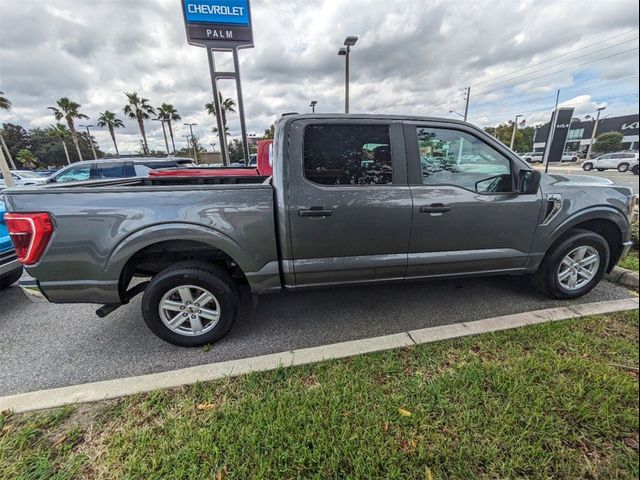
[(413, 57)]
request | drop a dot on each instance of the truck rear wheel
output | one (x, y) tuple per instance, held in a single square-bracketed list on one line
[(191, 305), (574, 266)]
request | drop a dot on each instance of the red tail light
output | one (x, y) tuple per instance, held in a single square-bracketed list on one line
[(30, 234)]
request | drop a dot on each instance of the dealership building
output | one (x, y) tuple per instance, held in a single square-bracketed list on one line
[(580, 133)]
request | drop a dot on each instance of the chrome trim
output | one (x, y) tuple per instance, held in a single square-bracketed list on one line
[(556, 199), (31, 289)]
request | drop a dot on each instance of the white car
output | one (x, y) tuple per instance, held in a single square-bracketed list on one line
[(537, 157), (620, 161), (22, 178)]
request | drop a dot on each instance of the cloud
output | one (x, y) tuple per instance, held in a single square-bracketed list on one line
[(413, 57)]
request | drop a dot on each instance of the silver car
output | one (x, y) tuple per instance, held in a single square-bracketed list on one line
[(22, 178), (621, 161)]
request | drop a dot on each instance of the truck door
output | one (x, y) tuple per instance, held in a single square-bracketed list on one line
[(467, 215), (349, 205)]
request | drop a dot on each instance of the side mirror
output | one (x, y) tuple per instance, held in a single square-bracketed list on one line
[(529, 181)]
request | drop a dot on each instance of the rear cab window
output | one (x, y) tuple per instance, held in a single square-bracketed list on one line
[(347, 155)]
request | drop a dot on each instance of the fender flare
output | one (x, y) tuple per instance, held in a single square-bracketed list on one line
[(157, 233)]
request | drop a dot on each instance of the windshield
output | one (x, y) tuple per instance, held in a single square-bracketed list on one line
[(27, 174)]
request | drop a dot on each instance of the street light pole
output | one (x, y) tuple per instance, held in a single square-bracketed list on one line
[(595, 130), (93, 148), (513, 134), (349, 42), (189, 144), (195, 151), (466, 103), (313, 106)]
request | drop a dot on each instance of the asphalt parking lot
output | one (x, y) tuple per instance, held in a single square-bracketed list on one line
[(45, 346)]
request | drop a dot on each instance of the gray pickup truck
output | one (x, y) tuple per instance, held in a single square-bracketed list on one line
[(354, 199)]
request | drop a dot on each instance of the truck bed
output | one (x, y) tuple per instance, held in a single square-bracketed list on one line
[(100, 225)]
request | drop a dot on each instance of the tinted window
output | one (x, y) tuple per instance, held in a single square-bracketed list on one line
[(347, 154), (451, 157), (109, 170), (75, 174)]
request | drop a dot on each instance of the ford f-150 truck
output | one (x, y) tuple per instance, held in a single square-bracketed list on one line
[(353, 199)]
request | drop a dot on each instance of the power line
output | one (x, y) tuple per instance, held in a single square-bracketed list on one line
[(564, 55), (559, 71), (549, 107)]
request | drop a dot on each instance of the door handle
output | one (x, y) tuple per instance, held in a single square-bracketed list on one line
[(314, 212), (435, 208)]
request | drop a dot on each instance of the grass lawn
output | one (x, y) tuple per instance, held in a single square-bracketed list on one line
[(631, 262), (558, 400)]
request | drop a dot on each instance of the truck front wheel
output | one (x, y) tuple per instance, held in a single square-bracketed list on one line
[(191, 305), (574, 266)]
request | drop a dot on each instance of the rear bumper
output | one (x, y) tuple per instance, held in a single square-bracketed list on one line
[(31, 289)]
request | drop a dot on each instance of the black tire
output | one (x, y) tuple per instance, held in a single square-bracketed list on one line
[(636, 169), (601, 169), (10, 278), (209, 277), (587, 167), (623, 167), (546, 278)]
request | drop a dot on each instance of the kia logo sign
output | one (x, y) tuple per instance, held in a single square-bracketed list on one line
[(563, 125)]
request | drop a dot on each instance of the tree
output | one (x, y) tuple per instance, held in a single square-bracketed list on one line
[(236, 151), (27, 159), (524, 136), (61, 132), (270, 132), (69, 111), (167, 113), (139, 109), (227, 105), (111, 121), (15, 137), (5, 104), (608, 142)]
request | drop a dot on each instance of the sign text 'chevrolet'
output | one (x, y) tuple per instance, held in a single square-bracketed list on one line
[(224, 23)]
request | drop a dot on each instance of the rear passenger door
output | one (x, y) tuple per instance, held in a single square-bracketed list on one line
[(349, 205)]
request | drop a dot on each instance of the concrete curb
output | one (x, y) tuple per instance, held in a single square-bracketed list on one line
[(96, 391), (624, 277)]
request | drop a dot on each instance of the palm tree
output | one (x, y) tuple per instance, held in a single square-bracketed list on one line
[(5, 104), (139, 109), (69, 111), (61, 132), (226, 105), (168, 114), (111, 121)]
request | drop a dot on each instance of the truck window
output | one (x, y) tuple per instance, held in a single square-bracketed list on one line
[(109, 170), (452, 157), (347, 154), (75, 174)]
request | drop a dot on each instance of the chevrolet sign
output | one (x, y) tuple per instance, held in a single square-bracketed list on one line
[(223, 23)]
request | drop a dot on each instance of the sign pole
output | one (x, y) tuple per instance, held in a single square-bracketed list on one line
[(222, 134), (552, 128), (243, 126), (6, 173)]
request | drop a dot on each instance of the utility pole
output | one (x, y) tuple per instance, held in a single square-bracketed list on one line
[(593, 134), (466, 104), (513, 134), (93, 148), (6, 149), (193, 143)]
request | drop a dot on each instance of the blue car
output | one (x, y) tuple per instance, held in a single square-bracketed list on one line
[(10, 268)]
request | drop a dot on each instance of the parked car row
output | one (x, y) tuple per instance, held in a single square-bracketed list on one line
[(537, 157)]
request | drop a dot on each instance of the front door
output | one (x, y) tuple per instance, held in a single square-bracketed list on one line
[(467, 216), (349, 205)]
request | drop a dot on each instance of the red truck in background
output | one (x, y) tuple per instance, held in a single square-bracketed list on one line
[(263, 168)]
